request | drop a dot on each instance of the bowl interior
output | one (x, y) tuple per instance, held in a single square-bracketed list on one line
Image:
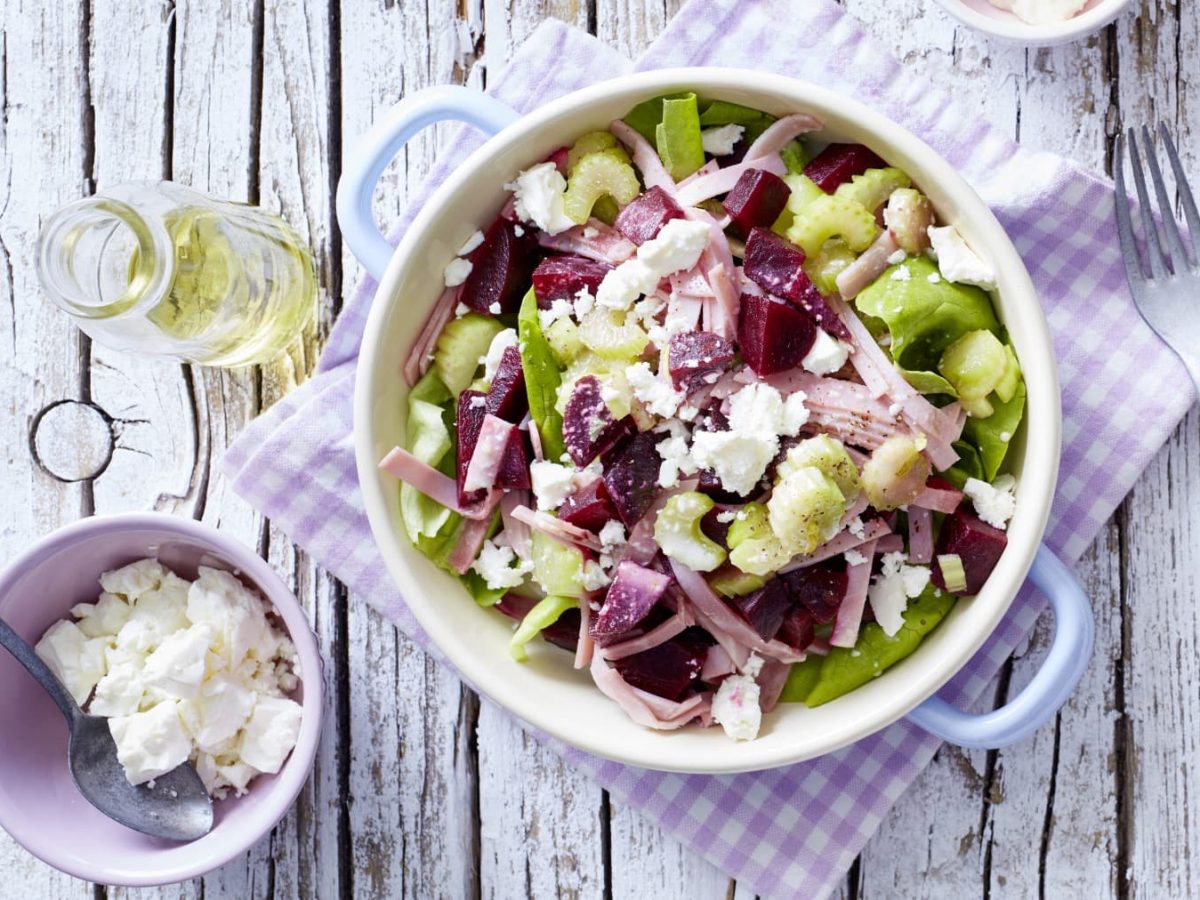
[(39, 804), (1006, 25), (547, 691)]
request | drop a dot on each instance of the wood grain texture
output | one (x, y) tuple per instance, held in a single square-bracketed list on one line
[(419, 791)]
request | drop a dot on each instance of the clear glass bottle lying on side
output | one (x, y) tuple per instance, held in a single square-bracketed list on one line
[(162, 269)]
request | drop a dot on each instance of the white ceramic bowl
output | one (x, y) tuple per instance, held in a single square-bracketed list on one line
[(547, 692), (1000, 23)]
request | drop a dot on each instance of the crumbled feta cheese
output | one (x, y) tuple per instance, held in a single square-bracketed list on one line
[(916, 579), (559, 309), (494, 309), (471, 243), (552, 483), (151, 743), (461, 310), (590, 231), (738, 459), (721, 140), (892, 563), (656, 393), (958, 262), (177, 666), (996, 502), (677, 246), (612, 534), (457, 271), (735, 705), (594, 577), (495, 566), (270, 734), (478, 402), (583, 303), (854, 558), (857, 527), (896, 258), (105, 616), (491, 360), (539, 198), (827, 354), (933, 278), (78, 661), (518, 231), (888, 601), (726, 516), (673, 451), (901, 274)]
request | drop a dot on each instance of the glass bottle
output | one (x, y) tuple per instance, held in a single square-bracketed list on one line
[(162, 269)]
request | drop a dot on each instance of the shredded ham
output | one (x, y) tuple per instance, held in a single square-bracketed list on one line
[(470, 540), (771, 680), (712, 612), (717, 664), (659, 634), (707, 169), (920, 536), (943, 500), (692, 283), (586, 646), (867, 267), (780, 132), (723, 180), (434, 484), (605, 245), (889, 543), (417, 363), (850, 611), (845, 540), (535, 441), (655, 713), (484, 466), (517, 531), (645, 157), (563, 532)]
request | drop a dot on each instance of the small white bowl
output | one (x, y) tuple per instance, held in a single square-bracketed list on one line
[(1007, 26)]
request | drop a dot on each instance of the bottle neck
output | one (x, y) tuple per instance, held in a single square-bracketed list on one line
[(99, 258)]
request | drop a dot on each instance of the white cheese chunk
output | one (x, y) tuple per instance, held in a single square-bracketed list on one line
[(495, 566), (236, 615), (957, 261), (77, 660), (501, 342), (676, 247), (721, 140), (736, 706), (538, 192), (827, 354), (552, 483), (151, 743), (270, 734), (996, 502), (456, 271), (177, 667)]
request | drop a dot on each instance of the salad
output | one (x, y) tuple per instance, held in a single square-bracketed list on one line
[(718, 407)]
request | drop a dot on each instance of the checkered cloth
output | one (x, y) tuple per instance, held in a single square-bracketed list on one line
[(792, 831)]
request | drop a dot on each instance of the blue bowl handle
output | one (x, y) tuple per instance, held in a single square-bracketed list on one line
[(379, 145), (1069, 654)]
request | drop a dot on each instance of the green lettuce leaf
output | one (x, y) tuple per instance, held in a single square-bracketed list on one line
[(545, 614), (721, 112), (969, 465), (646, 116), (988, 434), (429, 441), (542, 377), (677, 137), (478, 589)]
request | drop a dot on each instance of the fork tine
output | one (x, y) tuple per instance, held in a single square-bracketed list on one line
[(1158, 268), (1133, 265), (1178, 256), (1184, 189)]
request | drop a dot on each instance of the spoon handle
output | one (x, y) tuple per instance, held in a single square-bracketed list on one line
[(20, 648)]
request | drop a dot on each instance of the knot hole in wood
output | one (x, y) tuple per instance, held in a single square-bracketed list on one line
[(72, 441)]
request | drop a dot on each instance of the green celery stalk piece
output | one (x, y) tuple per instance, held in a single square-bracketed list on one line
[(478, 589), (794, 157), (801, 680), (845, 669), (677, 137), (988, 434), (644, 117), (430, 389), (542, 377), (543, 615)]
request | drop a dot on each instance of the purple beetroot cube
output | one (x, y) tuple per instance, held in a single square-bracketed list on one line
[(766, 608), (506, 399), (775, 265), (693, 355), (756, 200), (562, 277), (500, 269), (798, 628), (646, 214), (838, 163), (589, 507), (667, 670), (820, 589), (633, 593), (514, 466), (472, 409), (589, 427), (708, 483), (774, 336), (977, 544), (631, 475)]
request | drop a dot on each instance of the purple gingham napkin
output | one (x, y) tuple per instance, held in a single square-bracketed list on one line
[(791, 831)]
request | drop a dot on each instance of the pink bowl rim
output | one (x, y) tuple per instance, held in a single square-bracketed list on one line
[(291, 778)]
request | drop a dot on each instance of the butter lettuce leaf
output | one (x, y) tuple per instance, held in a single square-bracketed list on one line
[(993, 434), (677, 137), (542, 377)]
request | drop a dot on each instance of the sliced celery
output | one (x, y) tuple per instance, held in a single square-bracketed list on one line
[(872, 188), (604, 173), (546, 613), (542, 377), (462, 342), (830, 216), (677, 137), (677, 532)]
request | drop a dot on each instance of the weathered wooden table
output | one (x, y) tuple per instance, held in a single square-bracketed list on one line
[(418, 790)]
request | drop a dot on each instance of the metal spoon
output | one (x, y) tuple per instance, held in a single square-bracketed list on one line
[(177, 808)]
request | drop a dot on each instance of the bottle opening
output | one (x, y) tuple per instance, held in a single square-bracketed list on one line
[(97, 258)]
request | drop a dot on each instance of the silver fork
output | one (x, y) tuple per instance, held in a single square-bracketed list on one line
[(1167, 296)]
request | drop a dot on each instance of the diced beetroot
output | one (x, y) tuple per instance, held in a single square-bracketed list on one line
[(500, 269), (798, 628), (756, 200), (562, 277), (691, 355), (977, 544), (633, 593), (642, 219), (563, 633), (712, 526), (708, 483), (631, 475), (589, 427), (738, 154), (814, 304), (766, 608), (589, 507), (506, 399), (937, 481), (472, 408), (820, 589), (773, 335), (838, 163), (667, 670), (775, 265), (559, 158), (514, 468)]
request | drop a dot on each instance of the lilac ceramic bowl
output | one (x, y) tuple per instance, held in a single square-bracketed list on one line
[(39, 804)]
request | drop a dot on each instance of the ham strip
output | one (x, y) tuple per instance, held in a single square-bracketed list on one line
[(645, 157), (605, 245), (417, 363), (771, 680), (780, 132), (889, 543), (849, 614), (872, 532), (434, 484), (470, 539), (717, 664), (660, 634), (586, 646), (943, 500), (723, 180), (707, 169), (920, 536), (563, 532), (869, 266), (519, 534), (488, 456), (634, 702)]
